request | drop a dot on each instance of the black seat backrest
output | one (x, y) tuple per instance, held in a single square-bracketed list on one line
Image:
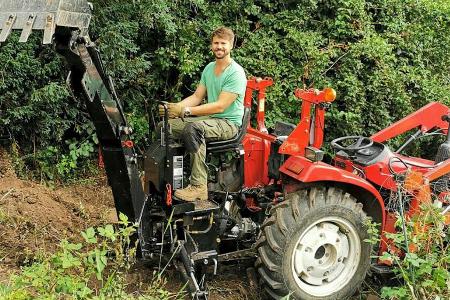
[(219, 146)]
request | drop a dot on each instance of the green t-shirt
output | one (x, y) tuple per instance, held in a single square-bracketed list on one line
[(231, 80)]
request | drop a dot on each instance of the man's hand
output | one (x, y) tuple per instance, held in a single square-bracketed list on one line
[(174, 109)]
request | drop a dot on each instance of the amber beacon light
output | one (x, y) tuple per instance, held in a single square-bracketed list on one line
[(329, 94)]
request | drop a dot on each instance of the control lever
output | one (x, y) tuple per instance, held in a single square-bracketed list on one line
[(165, 128)]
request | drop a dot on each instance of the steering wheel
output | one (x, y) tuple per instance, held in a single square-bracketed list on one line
[(360, 142)]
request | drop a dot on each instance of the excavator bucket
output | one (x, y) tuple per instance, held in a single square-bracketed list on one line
[(44, 15)]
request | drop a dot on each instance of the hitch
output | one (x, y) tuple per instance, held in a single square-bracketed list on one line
[(187, 270)]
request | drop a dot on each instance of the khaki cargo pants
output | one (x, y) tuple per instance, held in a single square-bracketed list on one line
[(194, 133)]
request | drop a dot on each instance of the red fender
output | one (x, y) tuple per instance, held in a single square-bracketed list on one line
[(304, 170)]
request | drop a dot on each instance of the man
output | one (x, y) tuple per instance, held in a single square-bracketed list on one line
[(223, 83)]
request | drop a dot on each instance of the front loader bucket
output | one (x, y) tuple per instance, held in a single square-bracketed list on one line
[(43, 15)]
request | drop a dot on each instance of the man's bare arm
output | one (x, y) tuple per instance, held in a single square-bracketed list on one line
[(223, 102), (196, 98)]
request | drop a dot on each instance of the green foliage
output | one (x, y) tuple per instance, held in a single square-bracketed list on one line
[(374, 232), (93, 269), (38, 110), (380, 56), (384, 58), (51, 164), (422, 261)]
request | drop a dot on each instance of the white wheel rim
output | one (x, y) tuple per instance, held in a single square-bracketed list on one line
[(326, 256)]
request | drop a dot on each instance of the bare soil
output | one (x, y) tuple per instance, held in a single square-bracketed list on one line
[(35, 218)]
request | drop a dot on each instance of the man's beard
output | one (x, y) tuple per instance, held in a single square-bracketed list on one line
[(223, 53)]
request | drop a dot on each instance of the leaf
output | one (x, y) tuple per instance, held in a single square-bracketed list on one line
[(68, 261), (89, 235), (123, 218), (71, 246), (394, 292), (100, 262), (441, 277)]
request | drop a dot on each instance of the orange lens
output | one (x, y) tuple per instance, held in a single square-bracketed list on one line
[(329, 94)]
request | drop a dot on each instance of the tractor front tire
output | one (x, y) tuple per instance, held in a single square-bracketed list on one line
[(312, 246)]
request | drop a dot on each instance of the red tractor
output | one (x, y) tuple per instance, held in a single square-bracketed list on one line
[(302, 222)]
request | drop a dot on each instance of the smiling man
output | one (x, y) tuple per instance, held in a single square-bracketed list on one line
[(223, 84)]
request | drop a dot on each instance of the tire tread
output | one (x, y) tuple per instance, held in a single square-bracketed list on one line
[(276, 230)]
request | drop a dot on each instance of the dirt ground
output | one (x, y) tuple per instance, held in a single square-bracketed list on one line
[(35, 218)]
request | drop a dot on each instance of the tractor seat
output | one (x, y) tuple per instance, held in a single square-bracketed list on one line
[(221, 146)]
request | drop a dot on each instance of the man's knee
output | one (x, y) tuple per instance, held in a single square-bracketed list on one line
[(193, 136)]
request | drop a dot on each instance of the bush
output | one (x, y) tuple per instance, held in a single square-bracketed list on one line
[(419, 252)]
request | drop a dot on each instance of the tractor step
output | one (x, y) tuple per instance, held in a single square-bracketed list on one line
[(202, 211), (190, 208), (179, 207), (381, 269)]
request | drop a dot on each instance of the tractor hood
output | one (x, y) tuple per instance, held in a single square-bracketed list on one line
[(44, 15)]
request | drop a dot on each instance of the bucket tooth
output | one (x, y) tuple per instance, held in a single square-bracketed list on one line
[(49, 29), (7, 26), (26, 31), (46, 15)]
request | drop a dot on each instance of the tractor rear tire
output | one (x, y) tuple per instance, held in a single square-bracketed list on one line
[(312, 246)]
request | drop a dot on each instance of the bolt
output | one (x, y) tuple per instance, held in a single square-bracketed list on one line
[(320, 262), (339, 259), (338, 240), (327, 254), (309, 269), (322, 235), (205, 261), (326, 274)]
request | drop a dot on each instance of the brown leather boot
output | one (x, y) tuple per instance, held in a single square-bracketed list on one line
[(193, 193)]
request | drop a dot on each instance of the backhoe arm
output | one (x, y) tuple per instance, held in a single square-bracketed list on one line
[(65, 24)]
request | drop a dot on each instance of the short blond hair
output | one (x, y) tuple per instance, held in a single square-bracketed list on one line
[(223, 33)]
